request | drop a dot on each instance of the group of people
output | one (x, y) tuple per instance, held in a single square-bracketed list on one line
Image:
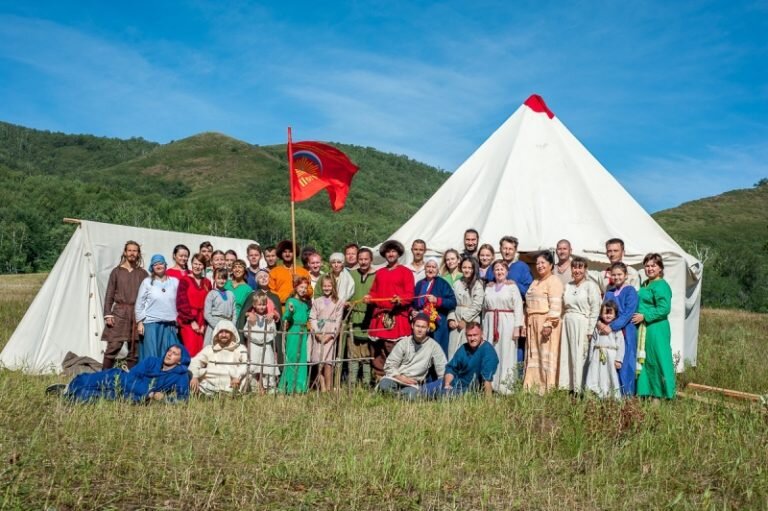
[(467, 321)]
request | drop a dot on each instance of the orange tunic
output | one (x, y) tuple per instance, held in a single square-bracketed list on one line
[(281, 281), (544, 303)]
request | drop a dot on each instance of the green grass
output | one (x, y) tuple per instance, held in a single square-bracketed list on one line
[(358, 450)]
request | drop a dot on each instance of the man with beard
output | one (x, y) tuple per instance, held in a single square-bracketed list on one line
[(359, 346), (391, 294), (281, 277), (119, 302), (471, 242), (563, 266)]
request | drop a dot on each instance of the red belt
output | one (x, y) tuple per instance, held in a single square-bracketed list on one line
[(496, 321)]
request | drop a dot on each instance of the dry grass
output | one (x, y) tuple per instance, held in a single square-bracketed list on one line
[(357, 450)]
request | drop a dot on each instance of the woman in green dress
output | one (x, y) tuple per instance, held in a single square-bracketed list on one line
[(295, 318), (239, 285), (657, 376)]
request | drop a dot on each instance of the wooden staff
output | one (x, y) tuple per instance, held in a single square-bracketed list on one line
[(248, 331), (291, 177), (726, 392)]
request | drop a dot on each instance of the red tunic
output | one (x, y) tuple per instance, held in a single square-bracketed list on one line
[(190, 302), (390, 282), (176, 274)]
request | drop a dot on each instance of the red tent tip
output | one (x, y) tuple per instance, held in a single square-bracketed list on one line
[(537, 104)]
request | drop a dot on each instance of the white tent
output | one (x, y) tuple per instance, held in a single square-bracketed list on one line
[(67, 313), (534, 180)]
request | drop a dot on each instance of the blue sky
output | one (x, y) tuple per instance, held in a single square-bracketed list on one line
[(672, 97)]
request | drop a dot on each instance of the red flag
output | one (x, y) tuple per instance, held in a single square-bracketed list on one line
[(318, 166)]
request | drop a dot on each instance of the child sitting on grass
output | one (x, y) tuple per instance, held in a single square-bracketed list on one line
[(606, 355), (219, 368)]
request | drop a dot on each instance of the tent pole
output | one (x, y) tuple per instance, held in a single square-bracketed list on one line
[(72, 221)]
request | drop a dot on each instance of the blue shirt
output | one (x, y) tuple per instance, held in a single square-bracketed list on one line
[(520, 273), (471, 368)]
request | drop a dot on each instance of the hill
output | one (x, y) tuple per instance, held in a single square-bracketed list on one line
[(214, 184), (208, 183), (729, 233)]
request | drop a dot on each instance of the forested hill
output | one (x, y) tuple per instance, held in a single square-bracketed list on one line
[(729, 232), (214, 184), (208, 183)]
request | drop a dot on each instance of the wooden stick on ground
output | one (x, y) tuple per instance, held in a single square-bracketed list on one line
[(742, 407), (726, 392)]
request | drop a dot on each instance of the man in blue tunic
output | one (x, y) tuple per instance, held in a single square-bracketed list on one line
[(473, 365), (154, 378)]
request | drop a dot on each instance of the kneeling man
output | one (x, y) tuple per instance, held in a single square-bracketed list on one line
[(409, 362), (473, 365)]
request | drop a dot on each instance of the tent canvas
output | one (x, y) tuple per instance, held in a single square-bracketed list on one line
[(67, 312), (534, 180)]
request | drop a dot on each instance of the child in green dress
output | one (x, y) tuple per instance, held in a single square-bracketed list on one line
[(295, 318)]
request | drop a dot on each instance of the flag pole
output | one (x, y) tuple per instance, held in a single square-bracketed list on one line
[(293, 202)]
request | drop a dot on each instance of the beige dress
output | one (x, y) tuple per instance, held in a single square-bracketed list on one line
[(544, 303), (325, 319), (468, 308)]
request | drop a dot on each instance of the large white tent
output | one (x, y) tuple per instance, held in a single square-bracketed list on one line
[(67, 313), (534, 180)]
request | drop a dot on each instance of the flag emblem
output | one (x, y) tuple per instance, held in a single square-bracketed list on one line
[(308, 167)]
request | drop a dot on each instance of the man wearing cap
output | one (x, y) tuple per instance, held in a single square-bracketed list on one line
[(408, 364), (391, 294), (281, 276), (119, 323)]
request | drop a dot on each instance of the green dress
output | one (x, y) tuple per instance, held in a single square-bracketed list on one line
[(657, 377), (294, 378), (241, 293)]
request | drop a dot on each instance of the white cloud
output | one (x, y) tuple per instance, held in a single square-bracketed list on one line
[(665, 182), (101, 85)]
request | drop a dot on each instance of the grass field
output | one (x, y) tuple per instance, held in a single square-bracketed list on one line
[(358, 450)]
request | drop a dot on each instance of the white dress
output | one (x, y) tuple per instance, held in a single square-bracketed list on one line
[(581, 304), (602, 375), (502, 313), (260, 337), (468, 308)]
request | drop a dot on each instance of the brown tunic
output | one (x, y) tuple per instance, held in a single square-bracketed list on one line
[(122, 290)]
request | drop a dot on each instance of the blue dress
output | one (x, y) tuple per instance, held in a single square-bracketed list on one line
[(446, 302), (627, 299), (135, 385)]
